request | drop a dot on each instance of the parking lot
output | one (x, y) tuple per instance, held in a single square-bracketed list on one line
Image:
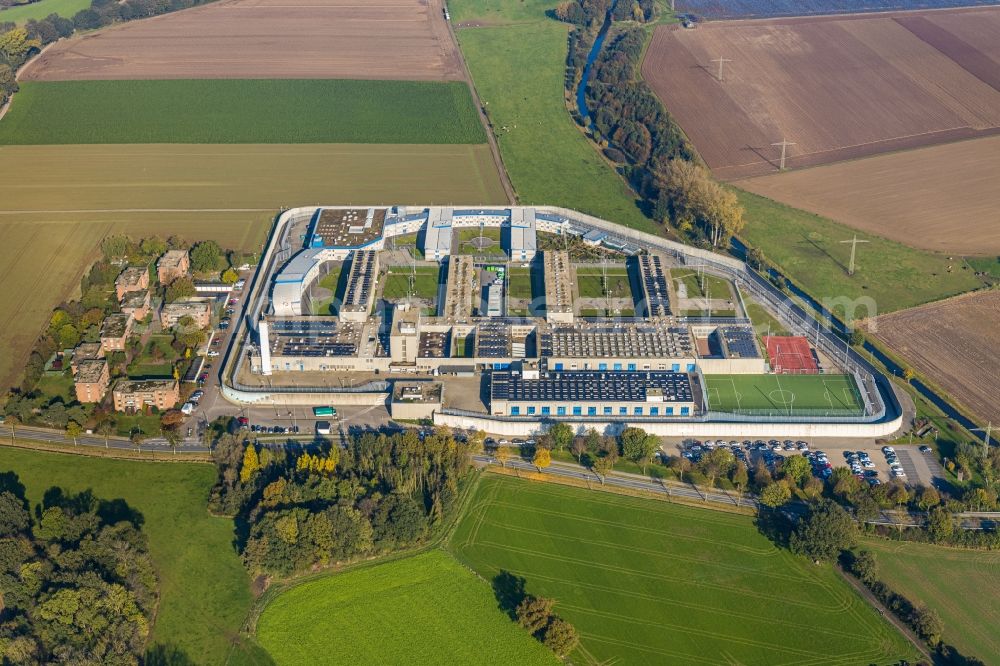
[(867, 461)]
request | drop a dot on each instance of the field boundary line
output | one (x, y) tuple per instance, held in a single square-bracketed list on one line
[(28, 444)]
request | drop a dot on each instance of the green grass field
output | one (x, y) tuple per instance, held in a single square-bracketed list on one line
[(889, 276), (714, 286), (330, 282), (242, 111), (764, 321), (41, 9), (467, 242), (519, 283), (954, 582), (834, 394), (205, 593), (651, 582), (517, 62), (60, 201), (425, 283), (590, 282), (425, 609)]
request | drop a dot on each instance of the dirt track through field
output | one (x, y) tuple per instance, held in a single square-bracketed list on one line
[(941, 198), (260, 39), (955, 344), (838, 87)]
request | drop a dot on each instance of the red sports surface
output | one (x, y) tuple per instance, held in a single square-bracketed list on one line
[(791, 355)]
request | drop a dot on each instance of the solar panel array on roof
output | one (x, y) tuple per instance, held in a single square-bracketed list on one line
[(360, 281), (654, 285), (588, 386), (739, 341), (493, 340), (617, 342), (314, 338), (432, 345)]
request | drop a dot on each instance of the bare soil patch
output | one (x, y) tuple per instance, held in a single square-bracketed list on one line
[(260, 39), (839, 87), (941, 198), (954, 342)]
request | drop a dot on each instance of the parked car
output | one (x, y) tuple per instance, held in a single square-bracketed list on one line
[(925, 449), (187, 408)]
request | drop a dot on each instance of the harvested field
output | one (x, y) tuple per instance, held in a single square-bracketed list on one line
[(941, 198), (954, 343), (254, 39), (838, 87), (732, 9), (59, 201)]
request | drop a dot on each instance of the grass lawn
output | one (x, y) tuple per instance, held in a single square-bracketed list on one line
[(330, 281), (58, 385), (409, 242), (590, 282), (954, 582), (425, 609), (519, 283), (518, 61), (653, 582), (834, 394), (147, 368), (889, 276), (467, 240), (227, 193), (242, 111), (425, 283), (763, 321), (204, 589), (41, 9), (714, 286)]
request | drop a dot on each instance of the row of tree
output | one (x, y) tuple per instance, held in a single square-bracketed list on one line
[(19, 43), (77, 581), (303, 509)]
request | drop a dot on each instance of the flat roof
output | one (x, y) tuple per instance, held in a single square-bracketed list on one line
[(590, 386), (143, 385), (172, 258), (347, 227), (115, 325), (131, 276), (90, 371)]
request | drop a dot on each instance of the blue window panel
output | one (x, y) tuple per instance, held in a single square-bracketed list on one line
[(558, 366), (618, 366), (676, 367), (607, 410), (546, 411), (654, 411), (685, 411), (560, 411), (577, 410), (602, 366), (631, 366), (691, 367), (623, 410), (670, 411), (591, 411), (531, 410), (637, 411), (515, 411)]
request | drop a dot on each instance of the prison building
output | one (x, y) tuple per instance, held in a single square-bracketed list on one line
[(172, 265), (133, 278), (360, 291), (493, 340), (616, 395), (622, 347), (458, 292), (347, 229), (314, 344), (558, 287), (655, 291), (438, 234), (404, 336), (738, 342), (523, 237), (91, 380), (493, 300)]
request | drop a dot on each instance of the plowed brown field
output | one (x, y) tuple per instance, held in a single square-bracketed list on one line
[(839, 87), (954, 342), (262, 39), (942, 198)]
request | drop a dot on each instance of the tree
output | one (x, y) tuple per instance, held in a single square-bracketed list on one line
[(865, 567), (857, 337), (15, 44), (928, 624), (137, 437), (560, 637), (775, 494), (716, 462), (824, 532), (561, 435), (106, 427), (182, 287), (116, 247), (502, 454), (173, 438), (476, 441), (739, 477), (602, 466), (533, 613), (579, 447), (230, 276), (796, 469), (13, 421), (251, 464), (153, 246), (73, 431), (206, 257), (638, 446), (940, 524), (542, 458), (908, 374)]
